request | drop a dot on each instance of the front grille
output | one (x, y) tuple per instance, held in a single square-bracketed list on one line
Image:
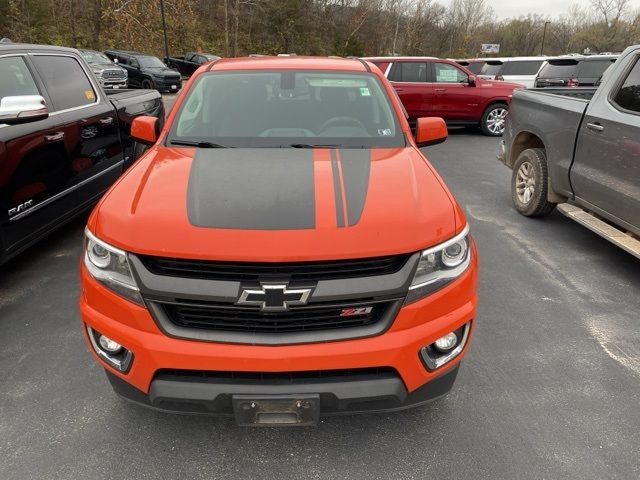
[(111, 74), (300, 272), (231, 318), (278, 377)]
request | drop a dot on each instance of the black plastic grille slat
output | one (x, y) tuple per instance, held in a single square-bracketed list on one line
[(353, 374), (211, 317), (300, 271)]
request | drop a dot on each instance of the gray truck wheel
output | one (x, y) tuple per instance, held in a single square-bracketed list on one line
[(529, 184), (147, 84), (492, 122)]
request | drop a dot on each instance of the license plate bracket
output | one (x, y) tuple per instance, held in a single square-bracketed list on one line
[(276, 410)]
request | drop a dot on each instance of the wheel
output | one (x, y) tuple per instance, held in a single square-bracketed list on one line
[(529, 184), (492, 122), (147, 84)]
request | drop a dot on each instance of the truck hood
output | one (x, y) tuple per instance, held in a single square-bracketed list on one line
[(105, 66), (274, 204)]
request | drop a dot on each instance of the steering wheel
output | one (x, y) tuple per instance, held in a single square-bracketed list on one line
[(342, 121)]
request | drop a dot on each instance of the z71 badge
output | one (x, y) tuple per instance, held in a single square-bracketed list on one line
[(356, 311), (20, 208)]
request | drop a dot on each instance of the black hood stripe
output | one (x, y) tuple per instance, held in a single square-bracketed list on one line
[(356, 167), (252, 189), (337, 188)]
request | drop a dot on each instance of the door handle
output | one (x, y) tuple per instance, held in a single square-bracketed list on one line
[(439, 90), (399, 89), (106, 121), (54, 137), (596, 127)]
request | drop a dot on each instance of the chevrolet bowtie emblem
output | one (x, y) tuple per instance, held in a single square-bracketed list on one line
[(274, 297)]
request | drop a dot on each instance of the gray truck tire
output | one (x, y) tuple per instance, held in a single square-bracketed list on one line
[(529, 184)]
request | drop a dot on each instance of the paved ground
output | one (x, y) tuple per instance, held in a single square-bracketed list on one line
[(550, 388)]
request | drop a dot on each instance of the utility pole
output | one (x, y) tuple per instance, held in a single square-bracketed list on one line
[(544, 35), (395, 37), (164, 29)]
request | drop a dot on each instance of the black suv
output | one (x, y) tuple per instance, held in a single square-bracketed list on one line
[(575, 71), (147, 71)]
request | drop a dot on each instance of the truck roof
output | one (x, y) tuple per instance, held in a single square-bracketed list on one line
[(297, 62), (9, 47)]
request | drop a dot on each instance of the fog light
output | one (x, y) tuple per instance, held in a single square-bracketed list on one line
[(109, 345), (110, 351), (445, 343), (445, 348)]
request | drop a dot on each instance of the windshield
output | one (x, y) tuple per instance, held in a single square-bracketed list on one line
[(287, 108), (95, 57), (151, 62)]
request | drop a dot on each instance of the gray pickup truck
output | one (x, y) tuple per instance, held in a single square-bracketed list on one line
[(579, 149)]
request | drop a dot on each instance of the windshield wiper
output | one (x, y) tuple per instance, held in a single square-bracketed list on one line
[(307, 145), (197, 144)]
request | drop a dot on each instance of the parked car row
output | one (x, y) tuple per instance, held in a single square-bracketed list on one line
[(117, 69), (540, 72)]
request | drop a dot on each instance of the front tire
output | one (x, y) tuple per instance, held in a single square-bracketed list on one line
[(492, 122), (530, 184), (147, 84)]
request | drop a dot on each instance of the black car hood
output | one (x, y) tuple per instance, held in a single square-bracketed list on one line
[(162, 71)]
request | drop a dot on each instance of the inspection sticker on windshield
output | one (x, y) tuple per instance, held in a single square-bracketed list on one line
[(89, 95), (385, 132), (364, 91)]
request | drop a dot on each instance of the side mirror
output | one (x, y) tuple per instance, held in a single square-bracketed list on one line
[(472, 81), (144, 129), (22, 109), (430, 131)]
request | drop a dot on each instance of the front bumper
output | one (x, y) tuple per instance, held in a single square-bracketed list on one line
[(205, 396), (168, 85), (113, 83), (415, 326)]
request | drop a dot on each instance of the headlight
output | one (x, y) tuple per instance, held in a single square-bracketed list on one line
[(98, 72), (440, 265), (110, 266)]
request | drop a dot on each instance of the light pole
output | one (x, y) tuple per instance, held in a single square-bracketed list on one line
[(544, 35), (164, 29)]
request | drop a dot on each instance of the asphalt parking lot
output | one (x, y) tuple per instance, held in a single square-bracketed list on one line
[(550, 388)]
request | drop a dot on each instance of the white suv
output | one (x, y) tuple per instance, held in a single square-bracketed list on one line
[(522, 70)]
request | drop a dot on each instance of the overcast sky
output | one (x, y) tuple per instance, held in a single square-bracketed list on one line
[(552, 8)]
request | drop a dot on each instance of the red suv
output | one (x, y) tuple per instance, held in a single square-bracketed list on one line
[(442, 88)]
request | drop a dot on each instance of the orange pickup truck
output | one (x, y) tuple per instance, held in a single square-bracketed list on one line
[(282, 251)]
